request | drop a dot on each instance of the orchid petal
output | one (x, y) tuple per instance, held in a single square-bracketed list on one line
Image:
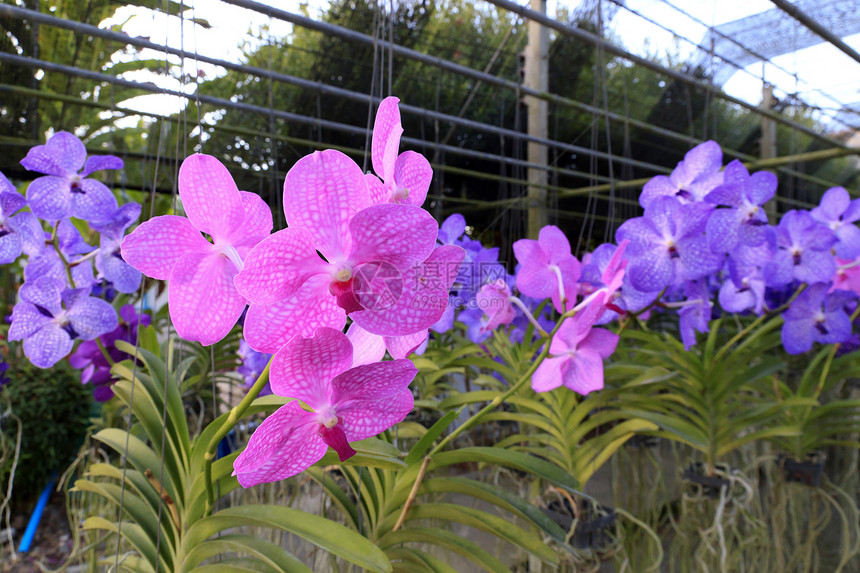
[(47, 346), (400, 235), (387, 121), (156, 245), (269, 327), (548, 375), (50, 198), (377, 190), (100, 163), (413, 172), (258, 221), (304, 368), (202, 286), (26, 320), (362, 419), (375, 381), (94, 202), (285, 444), (583, 373), (278, 265), (366, 348), (210, 196), (322, 192), (403, 346), (91, 317)]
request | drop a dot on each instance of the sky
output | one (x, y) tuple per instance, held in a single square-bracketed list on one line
[(822, 75)]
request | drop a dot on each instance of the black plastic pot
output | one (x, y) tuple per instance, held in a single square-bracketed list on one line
[(595, 528), (807, 472), (704, 485)]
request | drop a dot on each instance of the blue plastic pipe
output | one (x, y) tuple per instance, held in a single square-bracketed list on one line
[(30, 532)]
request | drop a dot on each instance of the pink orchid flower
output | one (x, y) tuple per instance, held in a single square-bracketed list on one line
[(576, 353), (494, 300), (427, 287), (368, 253), (403, 178), (348, 404), (548, 268), (204, 304)]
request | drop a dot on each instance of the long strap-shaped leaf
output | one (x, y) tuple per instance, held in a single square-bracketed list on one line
[(321, 532)]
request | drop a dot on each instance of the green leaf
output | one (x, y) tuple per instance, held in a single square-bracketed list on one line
[(447, 540), (511, 459), (427, 440), (133, 533), (273, 555), (319, 531), (478, 519)]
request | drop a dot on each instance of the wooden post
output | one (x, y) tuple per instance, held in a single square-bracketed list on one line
[(537, 78), (768, 140)]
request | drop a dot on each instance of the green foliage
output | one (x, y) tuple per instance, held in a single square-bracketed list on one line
[(53, 408), (162, 492)]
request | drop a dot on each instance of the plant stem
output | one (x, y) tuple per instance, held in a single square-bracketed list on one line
[(231, 421), (56, 242), (104, 352), (476, 417)]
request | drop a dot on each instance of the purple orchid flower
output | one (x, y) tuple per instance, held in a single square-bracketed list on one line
[(804, 251), (109, 261), (95, 369), (695, 315), (49, 317), (405, 178), (18, 233), (66, 191), (349, 404), (253, 364), (744, 288), (594, 266), (838, 212), (548, 267), (451, 229), (745, 221), (668, 245), (47, 263), (475, 321), (204, 304), (817, 316), (576, 353), (692, 179), (370, 256)]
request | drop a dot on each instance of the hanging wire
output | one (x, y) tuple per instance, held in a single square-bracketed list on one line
[(141, 295)]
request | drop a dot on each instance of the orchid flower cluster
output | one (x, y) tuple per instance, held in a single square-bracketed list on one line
[(704, 238), (62, 272), (356, 245)]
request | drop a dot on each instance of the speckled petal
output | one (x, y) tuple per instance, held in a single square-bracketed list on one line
[(386, 137), (50, 198), (96, 203), (400, 235), (403, 346), (304, 368), (322, 192), (258, 221), (362, 419), (26, 320), (47, 346), (285, 444), (413, 172), (278, 265), (91, 317), (375, 381), (269, 327), (366, 348), (155, 246), (210, 196), (204, 304)]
